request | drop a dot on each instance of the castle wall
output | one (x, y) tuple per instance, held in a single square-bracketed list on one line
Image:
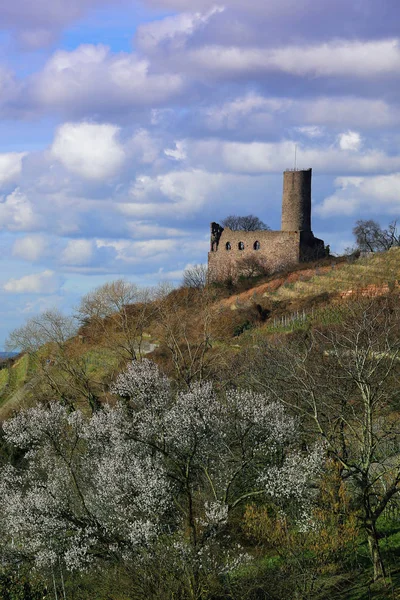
[(296, 201), (273, 250), (277, 249)]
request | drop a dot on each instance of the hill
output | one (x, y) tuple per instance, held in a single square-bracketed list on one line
[(213, 322), (302, 364)]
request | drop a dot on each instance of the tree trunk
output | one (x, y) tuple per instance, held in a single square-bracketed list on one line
[(373, 545)]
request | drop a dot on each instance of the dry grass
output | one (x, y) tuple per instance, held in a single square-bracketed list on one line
[(379, 269)]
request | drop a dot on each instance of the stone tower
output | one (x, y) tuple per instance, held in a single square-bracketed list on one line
[(296, 201), (231, 252)]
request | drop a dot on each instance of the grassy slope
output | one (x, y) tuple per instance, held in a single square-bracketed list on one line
[(294, 300), (303, 285)]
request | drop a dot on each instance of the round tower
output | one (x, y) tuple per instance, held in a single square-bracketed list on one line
[(296, 201)]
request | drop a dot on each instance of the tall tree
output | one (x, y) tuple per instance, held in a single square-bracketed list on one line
[(344, 382)]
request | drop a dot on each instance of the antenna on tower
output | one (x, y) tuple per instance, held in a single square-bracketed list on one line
[(295, 157)]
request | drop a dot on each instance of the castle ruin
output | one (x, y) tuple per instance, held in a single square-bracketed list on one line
[(232, 252)]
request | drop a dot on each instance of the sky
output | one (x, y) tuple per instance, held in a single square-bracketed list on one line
[(126, 127)]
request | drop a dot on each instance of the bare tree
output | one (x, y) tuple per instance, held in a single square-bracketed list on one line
[(246, 223), (62, 368), (252, 266), (116, 315), (345, 382), (195, 276), (186, 319), (51, 328), (370, 237)]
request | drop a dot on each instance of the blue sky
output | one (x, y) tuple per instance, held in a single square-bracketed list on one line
[(126, 127)]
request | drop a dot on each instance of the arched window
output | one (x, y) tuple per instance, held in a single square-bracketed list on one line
[(256, 245), (228, 245), (241, 246)]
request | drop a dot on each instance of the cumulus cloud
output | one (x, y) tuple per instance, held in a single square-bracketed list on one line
[(77, 252), (363, 195), (10, 166), (351, 140), (176, 193), (46, 282), (90, 150), (93, 79), (30, 248), (17, 212)]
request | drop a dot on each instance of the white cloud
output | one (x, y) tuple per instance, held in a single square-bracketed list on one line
[(259, 157), (309, 116), (172, 30), (77, 252), (175, 194), (331, 59), (88, 149), (142, 230), (363, 195), (231, 114), (143, 147), (17, 212), (90, 79), (31, 247), (136, 252), (350, 110), (10, 166), (351, 140), (178, 153), (311, 131), (46, 282)]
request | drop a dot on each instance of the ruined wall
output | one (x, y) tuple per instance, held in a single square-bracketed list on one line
[(296, 201), (273, 249), (277, 249)]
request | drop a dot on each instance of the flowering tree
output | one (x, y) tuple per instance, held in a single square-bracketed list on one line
[(84, 492), (219, 452), (159, 468)]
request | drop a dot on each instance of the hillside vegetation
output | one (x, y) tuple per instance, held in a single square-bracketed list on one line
[(237, 441)]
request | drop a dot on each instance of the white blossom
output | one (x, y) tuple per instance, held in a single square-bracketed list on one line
[(154, 466)]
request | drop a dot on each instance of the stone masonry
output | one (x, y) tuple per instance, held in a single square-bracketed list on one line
[(232, 252)]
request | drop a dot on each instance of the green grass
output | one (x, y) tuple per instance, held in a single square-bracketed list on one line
[(19, 373), (379, 269), (13, 378), (4, 376), (100, 362)]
